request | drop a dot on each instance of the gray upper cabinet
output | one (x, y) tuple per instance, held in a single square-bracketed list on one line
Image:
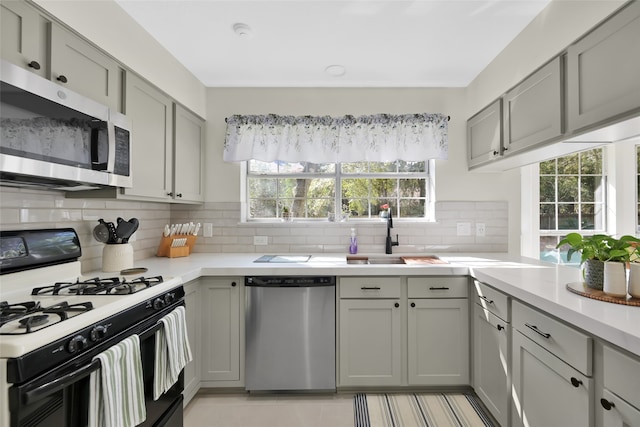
[(484, 135), (24, 36), (188, 156), (84, 69), (151, 115), (603, 71), (532, 111)]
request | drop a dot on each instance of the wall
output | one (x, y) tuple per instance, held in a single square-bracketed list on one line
[(108, 26), (30, 209)]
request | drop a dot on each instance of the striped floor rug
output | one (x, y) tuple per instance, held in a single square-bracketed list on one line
[(419, 410)]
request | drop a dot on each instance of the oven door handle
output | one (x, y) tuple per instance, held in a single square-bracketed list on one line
[(60, 383)]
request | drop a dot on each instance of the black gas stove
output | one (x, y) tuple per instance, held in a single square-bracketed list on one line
[(99, 286), (31, 316)]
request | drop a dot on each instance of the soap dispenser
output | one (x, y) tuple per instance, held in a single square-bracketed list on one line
[(353, 246)]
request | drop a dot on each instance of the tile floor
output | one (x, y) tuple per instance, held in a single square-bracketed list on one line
[(270, 410)]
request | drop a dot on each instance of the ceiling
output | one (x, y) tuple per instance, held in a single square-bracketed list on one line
[(391, 43)]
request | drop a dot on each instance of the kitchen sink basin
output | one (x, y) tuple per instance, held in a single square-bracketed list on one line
[(425, 259)]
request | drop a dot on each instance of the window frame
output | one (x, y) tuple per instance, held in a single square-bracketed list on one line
[(337, 176)]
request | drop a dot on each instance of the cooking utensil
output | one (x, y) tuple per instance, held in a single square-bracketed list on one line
[(101, 232), (127, 228)]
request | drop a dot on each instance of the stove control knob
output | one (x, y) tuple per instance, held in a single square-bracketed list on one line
[(77, 343), (169, 298), (159, 304), (98, 333)]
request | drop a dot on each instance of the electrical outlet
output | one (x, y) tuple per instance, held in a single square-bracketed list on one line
[(464, 229), (260, 240), (481, 230), (207, 230)]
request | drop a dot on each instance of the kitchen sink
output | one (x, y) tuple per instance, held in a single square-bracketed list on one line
[(424, 259)]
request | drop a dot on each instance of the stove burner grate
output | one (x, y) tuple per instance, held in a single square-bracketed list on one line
[(98, 286), (26, 314)]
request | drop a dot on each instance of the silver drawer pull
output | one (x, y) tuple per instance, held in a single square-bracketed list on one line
[(489, 301), (535, 329), (441, 288), (370, 288)]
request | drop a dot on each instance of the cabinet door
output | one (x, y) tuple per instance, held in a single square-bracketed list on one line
[(533, 109), (484, 135), (221, 330), (438, 342), (547, 391), (603, 70), (192, 370), (25, 37), (79, 66), (616, 412), (150, 112), (189, 156), (492, 362), (370, 352)]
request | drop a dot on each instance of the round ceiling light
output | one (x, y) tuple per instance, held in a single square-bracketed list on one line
[(242, 30), (335, 70)]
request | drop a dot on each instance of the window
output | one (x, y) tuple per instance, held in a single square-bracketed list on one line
[(638, 187), (572, 198), (314, 191)]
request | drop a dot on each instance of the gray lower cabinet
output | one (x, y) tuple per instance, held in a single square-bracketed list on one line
[(618, 401), (603, 69), (492, 363), (25, 38), (484, 135), (532, 111), (222, 331), (370, 342), (77, 65), (194, 323)]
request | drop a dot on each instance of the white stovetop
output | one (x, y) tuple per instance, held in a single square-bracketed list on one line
[(16, 288), (539, 284)]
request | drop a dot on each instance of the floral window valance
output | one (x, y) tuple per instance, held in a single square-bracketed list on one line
[(324, 139)]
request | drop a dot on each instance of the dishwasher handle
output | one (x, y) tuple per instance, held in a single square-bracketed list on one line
[(289, 281)]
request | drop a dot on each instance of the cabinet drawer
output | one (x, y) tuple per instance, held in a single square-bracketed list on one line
[(438, 287), (490, 299), (622, 375), (573, 347), (370, 287)]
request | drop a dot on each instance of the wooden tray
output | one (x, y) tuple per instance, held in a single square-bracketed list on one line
[(423, 260), (581, 289)]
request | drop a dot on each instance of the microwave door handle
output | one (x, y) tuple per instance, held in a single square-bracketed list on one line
[(47, 389), (111, 159)]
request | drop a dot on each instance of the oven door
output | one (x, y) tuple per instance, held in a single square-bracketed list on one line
[(61, 397)]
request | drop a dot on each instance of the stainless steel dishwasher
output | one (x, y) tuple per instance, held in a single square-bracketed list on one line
[(290, 333)]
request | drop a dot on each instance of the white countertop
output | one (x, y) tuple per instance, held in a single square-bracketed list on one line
[(539, 284)]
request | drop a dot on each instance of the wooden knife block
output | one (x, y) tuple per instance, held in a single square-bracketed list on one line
[(167, 248)]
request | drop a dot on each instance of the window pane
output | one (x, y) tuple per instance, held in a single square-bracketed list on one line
[(359, 208), (548, 251), (548, 189), (567, 189), (548, 167), (547, 216), (319, 208), (357, 167), (262, 208), (412, 208), (591, 162), (262, 188), (412, 187), (411, 166), (568, 165), (376, 167), (258, 167), (568, 218), (287, 187), (382, 187), (590, 188), (355, 187)]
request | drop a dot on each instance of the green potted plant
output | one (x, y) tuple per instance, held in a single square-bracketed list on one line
[(286, 214)]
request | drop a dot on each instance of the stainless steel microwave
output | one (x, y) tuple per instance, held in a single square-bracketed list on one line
[(53, 137)]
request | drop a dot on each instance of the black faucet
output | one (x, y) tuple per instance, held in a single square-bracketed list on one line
[(390, 243)]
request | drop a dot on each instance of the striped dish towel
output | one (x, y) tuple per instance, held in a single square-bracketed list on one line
[(116, 397), (172, 351)]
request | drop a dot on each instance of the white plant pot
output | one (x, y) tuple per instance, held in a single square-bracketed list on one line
[(634, 279), (117, 257), (615, 279)]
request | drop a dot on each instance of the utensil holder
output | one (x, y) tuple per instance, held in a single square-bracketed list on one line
[(175, 246), (117, 257)]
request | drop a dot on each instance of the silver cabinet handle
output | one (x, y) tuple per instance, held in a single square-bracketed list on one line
[(535, 329)]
